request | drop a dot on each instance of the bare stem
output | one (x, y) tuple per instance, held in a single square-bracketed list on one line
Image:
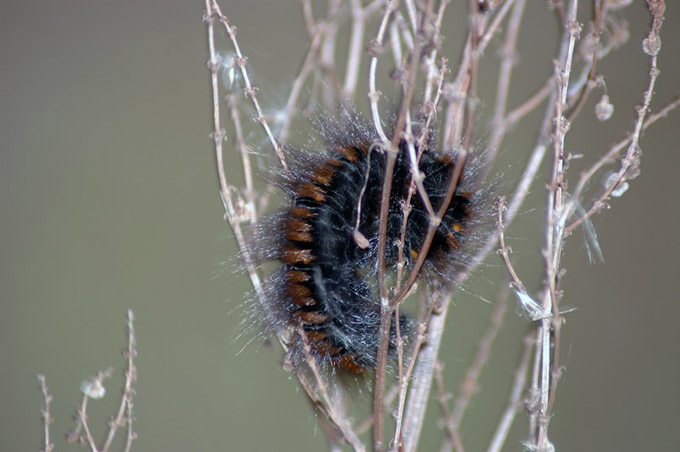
[(548, 328), (124, 415), (213, 12), (631, 161), (311, 59), (47, 418), (503, 87), (516, 396)]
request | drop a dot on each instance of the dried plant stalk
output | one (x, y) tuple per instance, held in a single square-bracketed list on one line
[(94, 389), (411, 35)]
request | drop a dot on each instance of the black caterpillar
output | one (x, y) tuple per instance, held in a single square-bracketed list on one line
[(327, 284)]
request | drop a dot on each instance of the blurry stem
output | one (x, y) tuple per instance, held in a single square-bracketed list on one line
[(423, 374), (515, 402), (213, 12), (503, 87)]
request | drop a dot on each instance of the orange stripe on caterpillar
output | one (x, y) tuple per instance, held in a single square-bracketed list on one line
[(297, 276), (323, 175), (299, 231), (292, 255), (300, 295), (302, 212), (312, 191), (310, 318)]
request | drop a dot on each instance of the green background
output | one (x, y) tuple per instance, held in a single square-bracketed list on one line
[(108, 201)]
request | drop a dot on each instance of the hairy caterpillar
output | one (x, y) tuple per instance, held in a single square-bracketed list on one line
[(327, 238)]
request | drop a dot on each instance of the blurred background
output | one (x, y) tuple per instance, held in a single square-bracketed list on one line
[(109, 201)]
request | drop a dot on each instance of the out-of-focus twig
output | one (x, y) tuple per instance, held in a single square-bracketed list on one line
[(515, 402), (45, 412), (469, 385), (94, 389)]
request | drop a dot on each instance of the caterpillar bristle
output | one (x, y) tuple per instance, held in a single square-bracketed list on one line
[(326, 289)]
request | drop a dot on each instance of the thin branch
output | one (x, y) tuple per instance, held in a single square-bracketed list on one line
[(609, 157), (93, 388), (311, 60), (375, 49), (432, 72), (423, 373), (458, 125), (495, 24), (516, 395), (386, 309), (325, 404), (504, 251), (406, 377), (45, 413), (530, 104), (599, 11), (124, 415), (503, 87), (629, 164), (469, 385), (213, 12), (356, 40), (416, 177), (549, 328), (442, 398), (245, 158), (233, 214)]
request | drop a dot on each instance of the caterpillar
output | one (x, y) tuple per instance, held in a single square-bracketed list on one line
[(326, 239)]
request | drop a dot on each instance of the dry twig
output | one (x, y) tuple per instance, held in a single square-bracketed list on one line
[(94, 389)]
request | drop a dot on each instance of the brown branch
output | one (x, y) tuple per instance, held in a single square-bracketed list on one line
[(325, 404), (416, 177), (387, 307), (404, 379), (442, 398), (504, 251)]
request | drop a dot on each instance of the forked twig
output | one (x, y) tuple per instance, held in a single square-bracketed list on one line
[(94, 389), (213, 12)]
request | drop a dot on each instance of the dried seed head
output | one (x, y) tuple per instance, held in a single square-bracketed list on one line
[(604, 109)]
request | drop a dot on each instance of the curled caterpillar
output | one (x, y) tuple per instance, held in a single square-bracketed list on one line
[(327, 239)]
